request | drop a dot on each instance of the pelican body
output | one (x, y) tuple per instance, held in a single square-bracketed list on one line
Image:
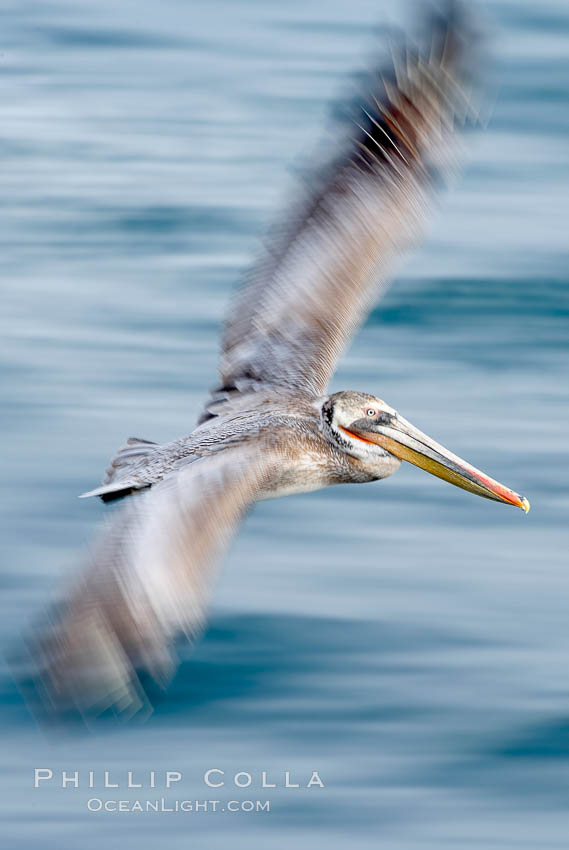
[(271, 428), (344, 438)]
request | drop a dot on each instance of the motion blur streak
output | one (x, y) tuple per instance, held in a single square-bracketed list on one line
[(268, 431), (407, 639)]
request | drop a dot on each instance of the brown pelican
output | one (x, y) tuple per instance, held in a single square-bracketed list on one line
[(271, 429)]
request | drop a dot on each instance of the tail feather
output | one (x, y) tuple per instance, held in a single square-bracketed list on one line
[(123, 475)]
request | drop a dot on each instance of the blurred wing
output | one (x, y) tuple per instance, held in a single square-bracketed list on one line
[(318, 279), (148, 581)]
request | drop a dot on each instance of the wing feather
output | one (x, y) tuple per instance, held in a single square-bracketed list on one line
[(319, 276), (146, 583)]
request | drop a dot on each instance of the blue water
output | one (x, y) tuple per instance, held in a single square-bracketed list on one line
[(405, 639)]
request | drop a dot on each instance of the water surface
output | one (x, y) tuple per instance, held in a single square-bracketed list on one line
[(408, 641)]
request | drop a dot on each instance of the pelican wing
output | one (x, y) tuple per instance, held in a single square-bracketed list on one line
[(146, 583), (320, 274)]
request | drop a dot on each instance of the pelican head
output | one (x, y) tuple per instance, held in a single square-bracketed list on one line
[(367, 428)]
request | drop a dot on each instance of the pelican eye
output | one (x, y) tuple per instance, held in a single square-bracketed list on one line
[(371, 412)]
